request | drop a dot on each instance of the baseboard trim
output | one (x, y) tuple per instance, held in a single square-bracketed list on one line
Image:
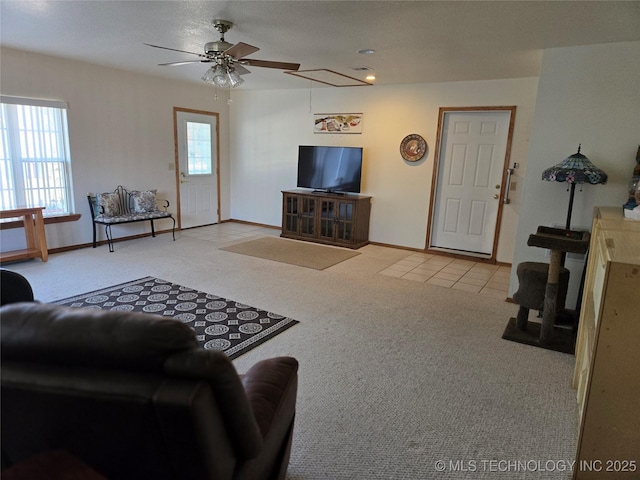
[(264, 225), (104, 242), (255, 224)]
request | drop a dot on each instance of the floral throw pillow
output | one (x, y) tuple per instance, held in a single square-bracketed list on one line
[(143, 201), (109, 204)]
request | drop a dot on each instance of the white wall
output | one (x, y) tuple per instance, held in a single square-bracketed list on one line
[(120, 132), (267, 127), (588, 95)]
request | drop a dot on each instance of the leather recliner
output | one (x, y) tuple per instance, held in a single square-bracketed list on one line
[(133, 396), (14, 288)]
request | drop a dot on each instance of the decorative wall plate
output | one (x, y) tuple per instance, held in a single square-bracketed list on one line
[(413, 147)]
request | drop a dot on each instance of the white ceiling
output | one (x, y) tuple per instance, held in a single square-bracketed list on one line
[(415, 41)]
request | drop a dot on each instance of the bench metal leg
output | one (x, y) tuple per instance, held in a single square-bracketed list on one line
[(153, 232), (94, 234), (174, 228), (107, 231)]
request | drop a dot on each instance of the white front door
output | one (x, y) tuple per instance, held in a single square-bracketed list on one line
[(471, 163), (197, 150)]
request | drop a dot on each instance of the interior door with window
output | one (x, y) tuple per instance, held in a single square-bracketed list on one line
[(198, 166), (467, 196)]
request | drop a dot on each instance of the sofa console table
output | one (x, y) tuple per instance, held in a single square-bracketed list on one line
[(34, 234), (334, 219)]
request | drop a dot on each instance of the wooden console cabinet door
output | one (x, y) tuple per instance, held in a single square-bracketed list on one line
[(307, 216), (344, 226), (298, 216), (337, 218), (290, 218)]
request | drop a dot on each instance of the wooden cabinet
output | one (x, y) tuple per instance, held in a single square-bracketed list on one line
[(341, 220), (607, 372)]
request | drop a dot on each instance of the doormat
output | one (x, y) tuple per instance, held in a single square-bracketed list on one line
[(293, 252), (219, 323)]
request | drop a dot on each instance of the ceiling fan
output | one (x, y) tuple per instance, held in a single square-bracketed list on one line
[(228, 59)]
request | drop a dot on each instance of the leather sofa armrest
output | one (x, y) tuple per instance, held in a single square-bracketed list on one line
[(215, 368), (271, 387)]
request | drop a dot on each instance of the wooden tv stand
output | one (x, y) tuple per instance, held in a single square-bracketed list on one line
[(335, 219)]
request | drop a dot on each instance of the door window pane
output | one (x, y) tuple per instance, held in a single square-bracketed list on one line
[(198, 148)]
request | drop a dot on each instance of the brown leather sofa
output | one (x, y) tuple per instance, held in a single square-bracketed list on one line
[(133, 397)]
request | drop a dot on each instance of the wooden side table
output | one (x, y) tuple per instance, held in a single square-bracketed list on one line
[(33, 231)]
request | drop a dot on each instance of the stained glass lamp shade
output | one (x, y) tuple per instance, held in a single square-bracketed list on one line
[(574, 169)]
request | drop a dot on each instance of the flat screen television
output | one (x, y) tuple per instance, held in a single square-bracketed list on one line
[(330, 169)]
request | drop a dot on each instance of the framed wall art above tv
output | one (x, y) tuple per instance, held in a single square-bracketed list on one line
[(337, 123)]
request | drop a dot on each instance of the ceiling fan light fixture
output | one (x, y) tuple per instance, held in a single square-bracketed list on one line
[(223, 76), (219, 70), (234, 78), (221, 82), (216, 75), (208, 76)]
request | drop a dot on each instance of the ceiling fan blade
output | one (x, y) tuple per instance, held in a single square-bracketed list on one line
[(173, 64), (240, 50), (268, 64), (240, 69), (176, 50)]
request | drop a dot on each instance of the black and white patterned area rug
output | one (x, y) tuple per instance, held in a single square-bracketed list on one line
[(219, 323)]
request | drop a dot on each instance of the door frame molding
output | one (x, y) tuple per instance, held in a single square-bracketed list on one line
[(177, 158), (434, 178)]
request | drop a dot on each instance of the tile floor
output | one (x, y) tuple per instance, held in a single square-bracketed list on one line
[(439, 270), (229, 232), (453, 273)]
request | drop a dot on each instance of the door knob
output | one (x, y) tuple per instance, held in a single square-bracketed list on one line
[(496, 196)]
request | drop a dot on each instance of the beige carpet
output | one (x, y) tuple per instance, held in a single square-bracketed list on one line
[(395, 375), (293, 252)]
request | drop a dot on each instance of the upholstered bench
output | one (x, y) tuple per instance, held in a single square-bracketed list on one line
[(122, 206)]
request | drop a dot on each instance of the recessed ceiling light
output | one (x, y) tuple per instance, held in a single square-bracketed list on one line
[(367, 51), (370, 77)]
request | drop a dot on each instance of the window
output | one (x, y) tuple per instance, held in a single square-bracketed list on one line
[(35, 165), (199, 148)]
